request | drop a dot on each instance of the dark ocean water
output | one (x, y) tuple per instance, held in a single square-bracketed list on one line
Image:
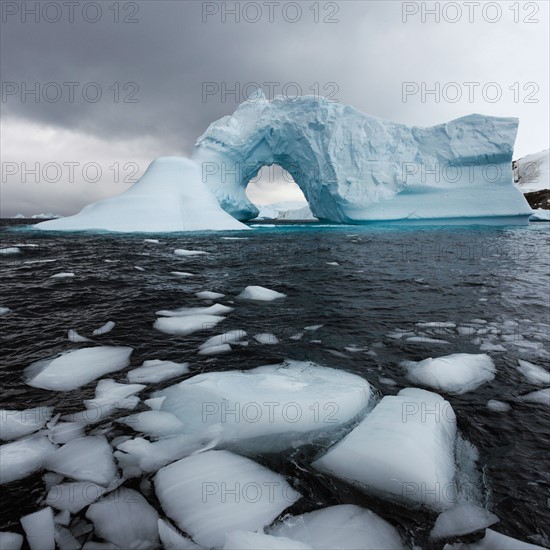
[(386, 279)]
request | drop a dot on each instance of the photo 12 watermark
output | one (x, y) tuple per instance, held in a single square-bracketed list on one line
[(256, 92), (270, 12), (65, 11), (470, 12), (469, 92), (69, 92)]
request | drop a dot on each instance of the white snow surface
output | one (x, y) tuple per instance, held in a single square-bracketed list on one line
[(532, 172), (274, 404), (170, 196), (74, 369), (367, 456), (456, 374), (354, 168), (342, 526), (191, 492)]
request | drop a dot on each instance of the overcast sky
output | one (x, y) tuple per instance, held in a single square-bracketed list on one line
[(153, 66)]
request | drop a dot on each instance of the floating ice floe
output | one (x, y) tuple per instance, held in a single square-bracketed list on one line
[(462, 519), (182, 274), (153, 241), (498, 406), (426, 340), (10, 250), (457, 373), (154, 371), (21, 458), (139, 268), (74, 496), (422, 425), (230, 337), (208, 295), (192, 493), (155, 403), (74, 369), (215, 350), (172, 540), (154, 423), (110, 396), (533, 373), (494, 541), (541, 397), (215, 309), (73, 336), (126, 519), (39, 528), (183, 252), (248, 540), (16, 424), (139, 456), (313, 327), (63, 275), (342, 526), (260, 294), (266, 338), (84, 459), (10, 541), (107, 327), (4, 310), (183, 326), (275, 406)]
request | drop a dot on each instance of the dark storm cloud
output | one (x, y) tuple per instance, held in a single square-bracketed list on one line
[(170, 54)]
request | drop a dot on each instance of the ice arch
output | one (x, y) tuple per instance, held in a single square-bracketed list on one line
[(355, 168)]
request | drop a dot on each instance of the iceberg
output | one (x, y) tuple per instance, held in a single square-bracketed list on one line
[(422, 425), (356, 168), (271, 407), (215, 492), (343, 526), (74, 369), (533, 373), (171, 196)]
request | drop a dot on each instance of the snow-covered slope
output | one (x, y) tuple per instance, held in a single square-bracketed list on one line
[(532, 172), (170, 196), (355, 168)]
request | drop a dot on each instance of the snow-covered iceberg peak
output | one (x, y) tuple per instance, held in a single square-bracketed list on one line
[(355, 168), (170, 196)]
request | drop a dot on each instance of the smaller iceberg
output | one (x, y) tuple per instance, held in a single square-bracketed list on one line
[(171, 196)]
